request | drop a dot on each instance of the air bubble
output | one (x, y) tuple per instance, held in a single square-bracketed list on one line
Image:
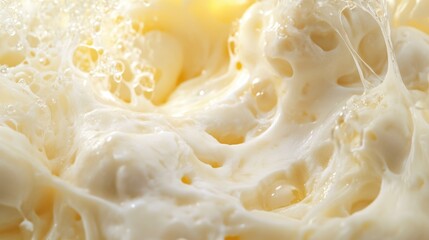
[(138, 67), (117, 77), (214, 163), (124, 93), (96, 24), (49, 76), (120, 46), (34, 88), (324, 36), (97, 27), (11, 124), (264, 93), (349, 80), (238, 66), (326, 40), (232, 47), (119, 67), (89, 41), (3, 69), (279, 190), (282, 66), (137, 26), (19, 46), (285, 45), (186, 180), (85, 58), (228, 138), (282, 195), (10, 109), (146, 81), (44, 61), (11, 58), (22, 82)]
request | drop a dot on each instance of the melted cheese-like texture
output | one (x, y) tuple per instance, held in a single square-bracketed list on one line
[(215, 119)]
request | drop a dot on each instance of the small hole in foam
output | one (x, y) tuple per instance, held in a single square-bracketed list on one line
[(349, 80), (186, 180), (228, 138), (239, 66), (211, 162), (325, 39), (282, 66), (232, 47)]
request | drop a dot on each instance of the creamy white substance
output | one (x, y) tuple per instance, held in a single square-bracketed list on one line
[(215, 119)]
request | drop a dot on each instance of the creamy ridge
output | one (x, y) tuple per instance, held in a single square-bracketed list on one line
[(216, 119)]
